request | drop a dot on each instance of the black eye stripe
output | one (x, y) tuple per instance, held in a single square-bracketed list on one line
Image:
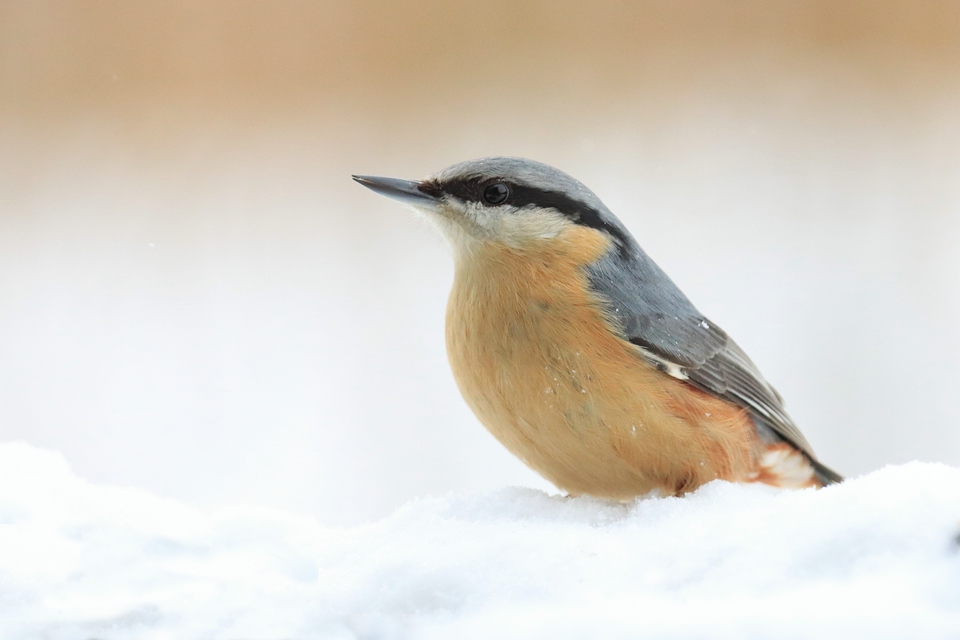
[(468, 190), (576, 211), (521, 196)]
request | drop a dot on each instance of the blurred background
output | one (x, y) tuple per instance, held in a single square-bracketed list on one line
[(196, 299)]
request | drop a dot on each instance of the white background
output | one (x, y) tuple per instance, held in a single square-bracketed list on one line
[(195, 299)]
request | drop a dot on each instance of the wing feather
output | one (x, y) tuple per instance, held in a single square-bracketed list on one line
[(653, 314), (728, 373)]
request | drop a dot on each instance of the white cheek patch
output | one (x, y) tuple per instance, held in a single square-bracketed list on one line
[(514, 226), (532, 224), (471, 221)]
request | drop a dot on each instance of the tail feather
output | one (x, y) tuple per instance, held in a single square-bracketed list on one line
[(825, 474), (783, 465)]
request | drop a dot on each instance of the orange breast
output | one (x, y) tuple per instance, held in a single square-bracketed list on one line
[(534, 357)]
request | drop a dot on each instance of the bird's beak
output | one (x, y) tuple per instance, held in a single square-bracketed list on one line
[(406, 191)]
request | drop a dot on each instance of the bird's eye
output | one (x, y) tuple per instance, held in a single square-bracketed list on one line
[(496, 193)]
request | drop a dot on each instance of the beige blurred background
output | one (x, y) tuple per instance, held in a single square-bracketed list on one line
[(196, 299)]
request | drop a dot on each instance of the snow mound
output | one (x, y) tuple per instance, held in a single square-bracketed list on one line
[(872, 558)]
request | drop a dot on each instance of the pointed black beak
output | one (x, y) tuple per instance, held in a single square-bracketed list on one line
[(406, 191)]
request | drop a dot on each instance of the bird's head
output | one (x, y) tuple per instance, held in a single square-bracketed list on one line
[(513, 201)]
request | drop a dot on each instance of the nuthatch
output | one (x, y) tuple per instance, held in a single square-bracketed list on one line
[(581, 356)]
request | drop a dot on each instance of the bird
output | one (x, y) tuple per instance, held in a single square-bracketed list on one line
[(581, 356)]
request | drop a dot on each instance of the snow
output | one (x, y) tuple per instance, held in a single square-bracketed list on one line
[(872, 558)]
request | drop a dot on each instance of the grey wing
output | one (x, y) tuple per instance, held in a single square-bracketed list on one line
[(653, 314), (731, 375)]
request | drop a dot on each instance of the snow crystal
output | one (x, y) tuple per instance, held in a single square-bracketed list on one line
[(872, 558)]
